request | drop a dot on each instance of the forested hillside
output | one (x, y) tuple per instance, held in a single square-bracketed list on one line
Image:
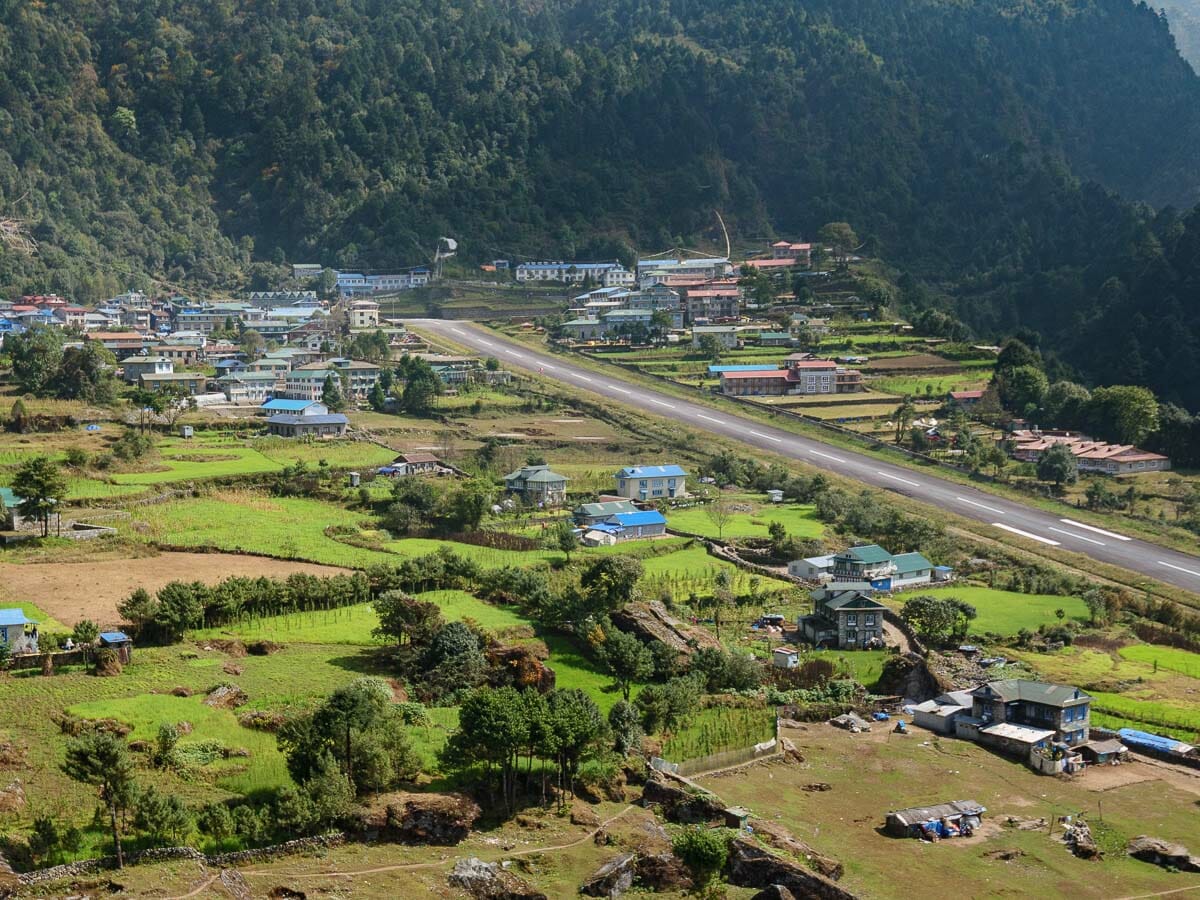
[(184, 140)]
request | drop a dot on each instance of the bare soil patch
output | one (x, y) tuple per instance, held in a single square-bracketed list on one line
[(92, 589)]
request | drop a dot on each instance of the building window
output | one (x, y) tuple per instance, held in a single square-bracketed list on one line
[(852, 637), (852, 619), (870, 619)]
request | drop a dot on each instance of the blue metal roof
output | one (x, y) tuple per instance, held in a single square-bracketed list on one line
[(1146, 739), (113, 637), (632, 520), (652, 472), (10, 617), (289, 419), (287, 405)]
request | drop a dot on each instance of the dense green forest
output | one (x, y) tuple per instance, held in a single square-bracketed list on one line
[(979, 145)]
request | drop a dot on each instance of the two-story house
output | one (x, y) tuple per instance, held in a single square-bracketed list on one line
[(845, 619), (651, 482), (871, 564), (1061, 711), (537, 485)]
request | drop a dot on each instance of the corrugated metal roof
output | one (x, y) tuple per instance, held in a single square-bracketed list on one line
[(635, 519), (9, 617), (652, 472)]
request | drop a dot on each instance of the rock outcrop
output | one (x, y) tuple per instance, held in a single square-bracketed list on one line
[(441, 819), (680, 805), (613, 878), (651, 622), (1163, 853), (488, 881), (751, 866)]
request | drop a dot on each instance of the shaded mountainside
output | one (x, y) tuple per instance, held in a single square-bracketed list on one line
[(186, 140)]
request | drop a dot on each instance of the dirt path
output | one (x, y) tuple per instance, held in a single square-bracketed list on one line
[(91, 590), (894, 637), (440, 863)]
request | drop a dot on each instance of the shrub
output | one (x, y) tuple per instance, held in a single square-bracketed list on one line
[(704, 851)]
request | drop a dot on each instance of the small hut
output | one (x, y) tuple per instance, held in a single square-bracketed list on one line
[(120, 643)]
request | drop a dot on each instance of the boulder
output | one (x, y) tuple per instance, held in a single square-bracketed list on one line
[(12, 797), (282, 892), (778, 837), (488, 881), (440, 819), (612, 879), (226, 696), (1078, 837), (678, 805), (1163, 853), (181, 692), (581, 815), (662, 872), (818, 786), (751, 866), (231, 668)]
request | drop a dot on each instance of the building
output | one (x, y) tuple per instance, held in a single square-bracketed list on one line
[(712, 302), (18, 632), (844, 619), (307, 381), (941, 713), (120, 342), (651, 482), (870, 564), (587, 514), (725, 335), (609, 274), (134, 367), (704, 268), (416, 463), (119, 643), (966, 399), (306, 270), (290, 425), (537, 485), (248, 387), (180, 354), (630, 526), (1091, 456), (801, 375), (583, 329), (1061, 711), (363, 314), (794, 252), (294, 407), (775, 339), (814, 568), (190, 382), (958, 817), (785, 658)]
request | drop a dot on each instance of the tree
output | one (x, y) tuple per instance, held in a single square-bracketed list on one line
[(1022, 389), (1016, 353), (938, 619), (377, 398), (140, 608), (905, 413), (463, 509), (41, 485), (1126, 414), (407, 620), (36, 357), (627, 659), (1097, 604), (719, 513), (493, 730), (840, 238), (176, 400), (148, 405), (1058, 464), (564, 538), (86, 373), (710, 347), (164, 817), (85, 633), (252, 343), (626, 726), (611, 582), (1065, 404), (102, 760), (331, 393), (180, 607), (704, 850), (577, 726), (453, 660)]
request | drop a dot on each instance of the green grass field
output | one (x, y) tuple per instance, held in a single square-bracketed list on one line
[(799, 520), (941, 383), (1006, 612), (264, 769), (47, 624), (718, 729), (1169, 658)]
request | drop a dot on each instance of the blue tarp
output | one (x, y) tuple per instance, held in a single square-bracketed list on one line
[(1133, 737)]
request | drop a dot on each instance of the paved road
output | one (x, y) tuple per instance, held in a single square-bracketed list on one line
[(1027, 522)]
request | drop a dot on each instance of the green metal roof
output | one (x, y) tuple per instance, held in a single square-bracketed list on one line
[(868, 553), (1033, 691), (910, 562), (545, 476), (853, 600)]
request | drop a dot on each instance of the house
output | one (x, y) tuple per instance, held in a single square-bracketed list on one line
[(725, 335), (1105, 752), (650, 482), (190, 382), (248, 387), (1092, 456), (844, 619), (707, 268), (870, 563), (966, 399), (1061, 711), (785, 658), (958, 817), (17, 631), (538, 485), (801, 374), (119, 642), (290, 425), (134, 367), (775, 339), (363, 314), (270, 364), (590, 513), (294, 407), (814, 568), (180, 354), (609, 274), (583, 329), (940, 713), (306, 270), (416, 463), (712, 302), (226, 366), (640, 524)]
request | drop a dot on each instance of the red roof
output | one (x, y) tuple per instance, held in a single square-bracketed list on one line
[(714, 292), (966, 395), (811, 364), (115, 336), (769, 263), (758, 373)]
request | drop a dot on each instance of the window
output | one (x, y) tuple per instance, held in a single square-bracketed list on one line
[(852, 619), (852, 637), (870, 619)]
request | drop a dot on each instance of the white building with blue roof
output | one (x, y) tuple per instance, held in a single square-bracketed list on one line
[(651, 482), (609, 274)]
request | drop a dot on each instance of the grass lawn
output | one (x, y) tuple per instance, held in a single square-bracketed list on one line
[(1006, 612), (1169, 658), (264, 769), (428, 740), (799, 520), (47, 624), (692, 569), (941, 383)]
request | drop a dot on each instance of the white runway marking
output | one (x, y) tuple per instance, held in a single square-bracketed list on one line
[(766, 436), (991, 509), (826, 455), (709, 419), (898, 478), (1178, 568), (1078, 537), (1027, 534), (1074, 524)]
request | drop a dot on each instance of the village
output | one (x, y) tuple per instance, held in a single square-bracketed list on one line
[(274, 502)]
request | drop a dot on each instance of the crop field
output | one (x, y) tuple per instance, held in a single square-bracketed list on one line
[(1006, 612), (1180, 719), (718, 729), (1169, 658), (931, 385), (799, 520)]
